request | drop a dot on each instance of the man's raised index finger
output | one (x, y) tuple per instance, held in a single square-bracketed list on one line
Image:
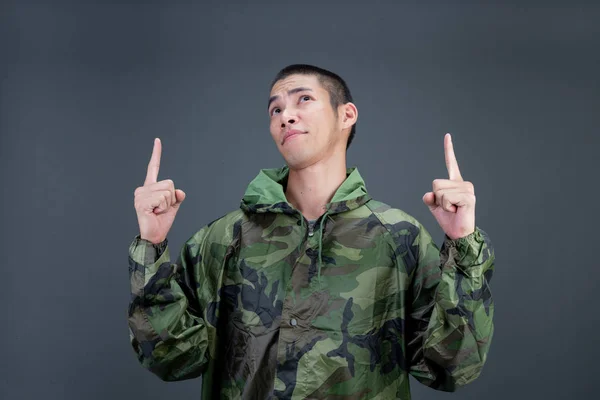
[(154, 164), (451, 163)]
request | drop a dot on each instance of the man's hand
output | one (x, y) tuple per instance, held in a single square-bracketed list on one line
[(452, 201), (156, 203)]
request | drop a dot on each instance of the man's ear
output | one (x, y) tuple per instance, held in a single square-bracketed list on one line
[(349, 114)]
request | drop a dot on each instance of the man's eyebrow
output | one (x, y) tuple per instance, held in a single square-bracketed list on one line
[(290, 92)]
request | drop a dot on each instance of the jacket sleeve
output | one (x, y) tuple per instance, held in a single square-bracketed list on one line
[(450, 321), (167, 325)]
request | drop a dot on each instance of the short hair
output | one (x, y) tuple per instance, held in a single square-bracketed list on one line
[(338, 90)]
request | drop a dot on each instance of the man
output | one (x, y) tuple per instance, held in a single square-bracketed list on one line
[(312, 289)]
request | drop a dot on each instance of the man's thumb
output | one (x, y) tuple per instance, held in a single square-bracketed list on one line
[(179, 195), (429, 199)]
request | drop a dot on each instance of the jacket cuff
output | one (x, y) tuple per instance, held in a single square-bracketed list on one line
[(465, 253), (145, 252)]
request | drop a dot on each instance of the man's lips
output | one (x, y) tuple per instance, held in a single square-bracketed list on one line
[(290, 133)]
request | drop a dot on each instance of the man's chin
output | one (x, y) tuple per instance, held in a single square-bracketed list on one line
[(296, 161)]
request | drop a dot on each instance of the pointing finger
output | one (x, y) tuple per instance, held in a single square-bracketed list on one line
[(154, 164), (451, 163)]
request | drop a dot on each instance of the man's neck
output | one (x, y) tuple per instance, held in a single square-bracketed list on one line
[(310, 189)]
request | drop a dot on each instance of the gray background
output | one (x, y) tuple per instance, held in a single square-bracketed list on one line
[(86, 88)]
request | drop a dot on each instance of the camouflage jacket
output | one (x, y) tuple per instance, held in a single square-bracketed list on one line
[(264, 306)]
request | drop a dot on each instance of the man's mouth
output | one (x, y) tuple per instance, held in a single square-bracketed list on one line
[(291, 133)]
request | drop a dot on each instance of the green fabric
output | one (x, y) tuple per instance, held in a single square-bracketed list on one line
[(264, 309)]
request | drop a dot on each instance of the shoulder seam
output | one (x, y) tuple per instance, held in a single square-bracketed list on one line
[(381, 220)]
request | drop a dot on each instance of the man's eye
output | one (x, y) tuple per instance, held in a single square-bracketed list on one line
[(274, 110), (305, 97)]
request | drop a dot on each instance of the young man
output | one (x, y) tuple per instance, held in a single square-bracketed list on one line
[(312, 289)]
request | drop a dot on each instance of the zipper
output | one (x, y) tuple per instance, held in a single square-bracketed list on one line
[(311, 229)]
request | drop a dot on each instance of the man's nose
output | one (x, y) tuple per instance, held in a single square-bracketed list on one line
[(288, 121), (288, 116)]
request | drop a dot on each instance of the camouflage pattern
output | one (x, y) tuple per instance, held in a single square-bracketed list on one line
[(265, 307)]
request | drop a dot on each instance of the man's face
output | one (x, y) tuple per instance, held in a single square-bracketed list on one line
[(303, 123)]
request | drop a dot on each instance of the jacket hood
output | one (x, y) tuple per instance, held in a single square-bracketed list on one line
[(266, 193)]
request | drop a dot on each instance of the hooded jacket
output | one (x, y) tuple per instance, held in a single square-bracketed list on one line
[(263, 305)]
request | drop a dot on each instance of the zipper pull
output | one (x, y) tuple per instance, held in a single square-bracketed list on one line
[(311, 229)]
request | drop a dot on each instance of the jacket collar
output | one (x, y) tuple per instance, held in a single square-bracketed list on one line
[(266, 193)]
